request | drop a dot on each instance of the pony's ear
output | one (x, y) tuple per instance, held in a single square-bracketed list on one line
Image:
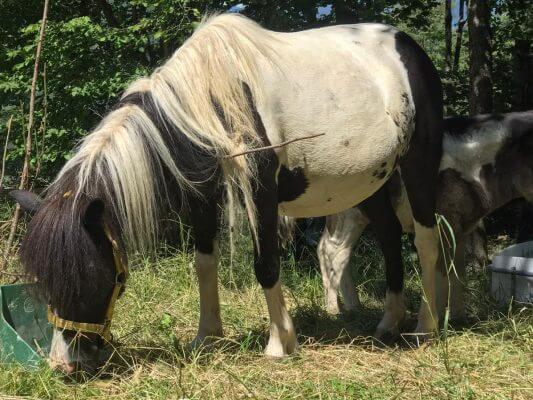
[(28, 201), (94, 213)]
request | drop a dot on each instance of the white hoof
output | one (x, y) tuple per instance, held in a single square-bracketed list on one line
[(389, 326), (427, 320), (282, 345)]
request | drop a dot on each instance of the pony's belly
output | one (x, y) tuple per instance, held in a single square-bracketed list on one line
[(326, 196)]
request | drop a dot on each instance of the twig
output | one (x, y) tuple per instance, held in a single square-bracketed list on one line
[(276, 146), (42, 128), (9, 121), (27, 145)]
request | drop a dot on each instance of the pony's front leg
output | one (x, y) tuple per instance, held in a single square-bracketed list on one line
[(210, 325), (282, 340), (204, 220)]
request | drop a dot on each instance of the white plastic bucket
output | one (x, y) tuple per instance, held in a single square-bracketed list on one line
[(512, 274)]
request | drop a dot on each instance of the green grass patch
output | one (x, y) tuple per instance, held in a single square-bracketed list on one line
[(490, 357)]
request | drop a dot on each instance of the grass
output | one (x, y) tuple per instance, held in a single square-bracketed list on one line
[(490, 357)]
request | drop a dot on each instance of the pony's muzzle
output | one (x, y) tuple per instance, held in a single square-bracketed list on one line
[(73, 353), (64, 367)]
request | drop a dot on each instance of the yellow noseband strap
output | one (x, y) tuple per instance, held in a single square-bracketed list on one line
[(104, 329)]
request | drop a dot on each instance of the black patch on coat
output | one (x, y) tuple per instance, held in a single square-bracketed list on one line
[(382, 174), (266, 257), (420, 164), (292, 183)]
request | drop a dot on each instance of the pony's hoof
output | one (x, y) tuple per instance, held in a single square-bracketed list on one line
[(277, 348), (203, 342)]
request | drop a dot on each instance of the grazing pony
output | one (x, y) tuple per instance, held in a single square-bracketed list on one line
[(171, 144), (486, 162)]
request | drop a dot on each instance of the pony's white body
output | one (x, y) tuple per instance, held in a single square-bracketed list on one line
[(347, 82)]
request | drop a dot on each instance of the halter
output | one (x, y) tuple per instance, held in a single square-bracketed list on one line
[(104, 329)]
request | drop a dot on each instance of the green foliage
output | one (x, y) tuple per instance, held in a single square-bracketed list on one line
[(89, 57), (94, 48)]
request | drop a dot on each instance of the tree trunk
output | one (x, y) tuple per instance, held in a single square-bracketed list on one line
[(459, 36), (480, 98), (108, 13), (522, 76), (448, 34)]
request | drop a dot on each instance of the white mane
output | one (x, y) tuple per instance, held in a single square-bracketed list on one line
[(207, 71)]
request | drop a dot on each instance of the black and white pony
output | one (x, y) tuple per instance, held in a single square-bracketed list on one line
[(233, 87), (486, 162)]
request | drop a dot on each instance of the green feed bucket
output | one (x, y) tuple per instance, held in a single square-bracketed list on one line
[(25, 334)]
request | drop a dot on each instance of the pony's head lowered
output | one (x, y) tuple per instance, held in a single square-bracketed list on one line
[(67, 251)]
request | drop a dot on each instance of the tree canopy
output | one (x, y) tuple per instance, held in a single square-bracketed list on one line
[(94, 48)]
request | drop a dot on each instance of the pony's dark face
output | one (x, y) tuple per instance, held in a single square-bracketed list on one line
[(67, 251)]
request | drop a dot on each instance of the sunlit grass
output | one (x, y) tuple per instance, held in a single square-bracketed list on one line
[(489, 358)]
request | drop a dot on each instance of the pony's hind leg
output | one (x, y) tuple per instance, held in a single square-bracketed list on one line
[(388, 231), (420, 169), (420, 185), (334, 250), (204, 219)]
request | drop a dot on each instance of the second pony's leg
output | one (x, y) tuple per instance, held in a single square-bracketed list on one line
[(388, 231), (204, 220), (334, 250)]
